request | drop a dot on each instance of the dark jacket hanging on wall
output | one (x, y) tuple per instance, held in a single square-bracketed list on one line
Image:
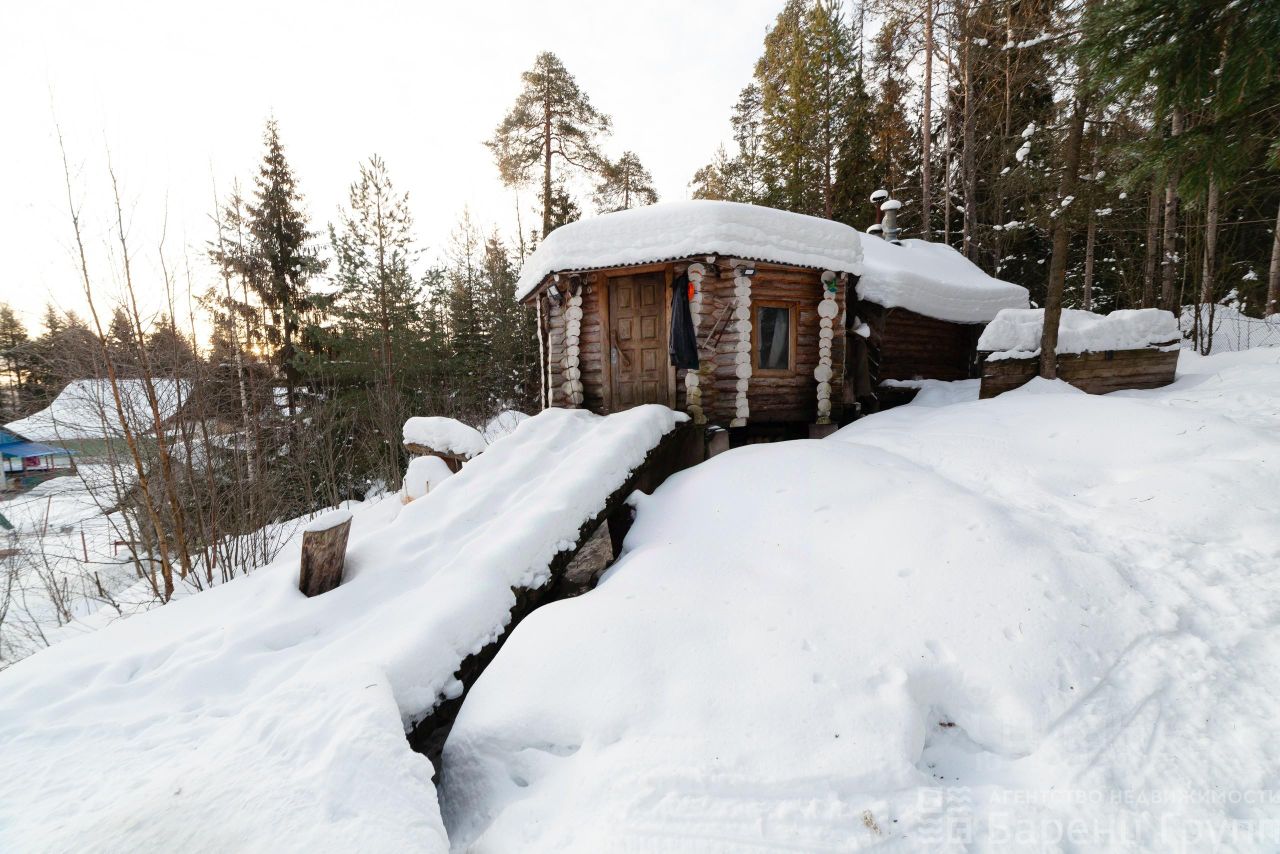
[(683, 342)]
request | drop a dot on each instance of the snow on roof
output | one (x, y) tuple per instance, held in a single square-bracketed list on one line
[(303, 702), (86, 409), (671, 230), (444, 435), (1015, 333), (935, 280)]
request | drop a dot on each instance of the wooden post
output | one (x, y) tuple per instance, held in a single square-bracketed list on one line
[(324, 552)]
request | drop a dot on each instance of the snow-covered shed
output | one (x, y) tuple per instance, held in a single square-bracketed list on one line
[(920, 310), (765, 295)]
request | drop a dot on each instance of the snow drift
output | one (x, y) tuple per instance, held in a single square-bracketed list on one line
[(1045, 611), (251, 716)]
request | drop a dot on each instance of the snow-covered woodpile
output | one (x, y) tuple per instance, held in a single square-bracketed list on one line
[(1135, 348)]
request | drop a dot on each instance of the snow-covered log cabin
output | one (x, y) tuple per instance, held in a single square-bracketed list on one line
[(792, 321)]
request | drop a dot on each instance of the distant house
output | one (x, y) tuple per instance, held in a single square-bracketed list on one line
[(84, 417), (25, 461), (796, 321)]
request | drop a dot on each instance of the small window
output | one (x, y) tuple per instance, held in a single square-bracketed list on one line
[(773, 338)]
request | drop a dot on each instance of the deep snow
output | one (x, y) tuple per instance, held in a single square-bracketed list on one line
[(251, 716), (991, 618), (955, 618)]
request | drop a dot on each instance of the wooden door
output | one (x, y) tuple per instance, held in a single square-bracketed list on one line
[(638, 336)]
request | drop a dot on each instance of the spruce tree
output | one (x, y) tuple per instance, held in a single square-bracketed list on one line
[(624, 184), (283, 258), (790, 126), (552, 128), (378, 306), (15, 352)]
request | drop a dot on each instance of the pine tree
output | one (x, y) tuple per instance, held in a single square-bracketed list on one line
[(552, 127), (468, 340), (562, 209), (378, 306), (15, 353), (624, 184), (855, 180), (279, 259), (748, 173), (712, 181), (511, 331), (789, 123), (831, 59)]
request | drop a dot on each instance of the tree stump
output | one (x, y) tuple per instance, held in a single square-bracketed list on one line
[(324, 552)]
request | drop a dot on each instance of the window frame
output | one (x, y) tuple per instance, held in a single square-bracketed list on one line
[(793, 318)]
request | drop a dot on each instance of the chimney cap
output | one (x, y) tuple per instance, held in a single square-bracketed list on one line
[(891, 205), (876, 228), (879, 195)]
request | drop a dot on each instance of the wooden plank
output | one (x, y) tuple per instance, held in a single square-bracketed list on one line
[(1095, 373)]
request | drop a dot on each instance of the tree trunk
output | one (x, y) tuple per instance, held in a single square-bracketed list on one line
[(324, 553), (1091, 231), (1090, 239), (1061, 244), (546, 163), (967, 156), (1210, 243), (1204, 340), (926, 126), (1273, 280), (1170, 227), (1153, 234)]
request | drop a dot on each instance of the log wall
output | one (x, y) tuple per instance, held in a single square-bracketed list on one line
[(772, 398), (1095, 373), (912, 346)]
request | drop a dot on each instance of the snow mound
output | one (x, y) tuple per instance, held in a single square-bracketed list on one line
[(425, 474), (444, 435), (1005, 619), (935, 280), (249, 716), (1015, 333), (86, 409), (670, 230)]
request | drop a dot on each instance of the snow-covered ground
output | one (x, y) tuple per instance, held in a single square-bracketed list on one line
[(61, 560), (1047, 621), (249, 716), (1044, 621)]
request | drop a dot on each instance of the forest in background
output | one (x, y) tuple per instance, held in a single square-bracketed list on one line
[(1105, 154)]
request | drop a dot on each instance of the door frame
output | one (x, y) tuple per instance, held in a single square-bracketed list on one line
[(606, 294)]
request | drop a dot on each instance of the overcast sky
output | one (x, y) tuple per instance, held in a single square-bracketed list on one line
[(178, 93)]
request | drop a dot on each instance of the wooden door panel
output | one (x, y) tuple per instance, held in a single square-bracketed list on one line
[(638, 336)]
